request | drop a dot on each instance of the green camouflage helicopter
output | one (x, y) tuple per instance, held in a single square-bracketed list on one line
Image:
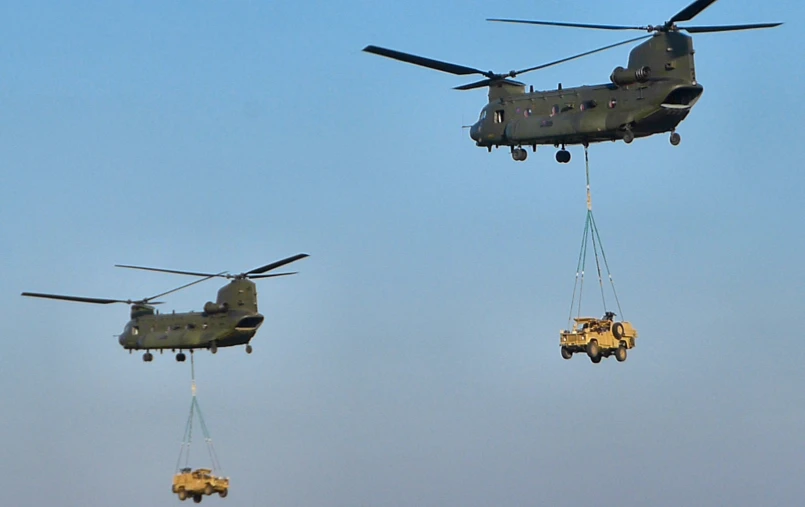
[(232, 320), (652, 95)]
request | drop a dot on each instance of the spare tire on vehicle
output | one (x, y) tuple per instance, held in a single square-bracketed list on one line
[(617, 330)]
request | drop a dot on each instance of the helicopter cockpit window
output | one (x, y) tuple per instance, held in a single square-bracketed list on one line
[(135, 330), (499, 116), (483, 115)]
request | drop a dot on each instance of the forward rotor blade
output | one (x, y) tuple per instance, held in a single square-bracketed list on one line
[(275, 265), (77, 299), (571, 25), (183, 286), (450, 68), (272, 275), (727, 28), (488, 82), (538, 67), (691, 11), (174, 271)]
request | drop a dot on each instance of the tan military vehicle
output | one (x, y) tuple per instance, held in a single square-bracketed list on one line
[(197, 483), (598, 338)]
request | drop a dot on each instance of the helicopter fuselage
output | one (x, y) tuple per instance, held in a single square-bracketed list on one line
[(190, 330), (586, 114), (652, 95), (232, 320)]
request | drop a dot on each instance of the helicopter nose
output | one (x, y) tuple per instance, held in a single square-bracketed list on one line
[(475, 133)]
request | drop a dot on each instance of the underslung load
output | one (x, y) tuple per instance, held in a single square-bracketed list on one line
[(597, 337), (197, 483)]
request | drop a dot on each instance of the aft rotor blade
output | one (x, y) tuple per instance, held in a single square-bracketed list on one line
[(451, 68), (277, 264), (184, 286), (273, 275), (691, 11), (99, 301), (174, 271), (538, 67), (488, 82), (571, 25), (727, 28)]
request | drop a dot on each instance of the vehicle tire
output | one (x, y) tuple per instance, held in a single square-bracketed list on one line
[(182, 494), (208, 490), (566, 354), (617, 330), (593, 350), (596, 359), (223, 493), (620, 354), (197, 498), (628, 136)]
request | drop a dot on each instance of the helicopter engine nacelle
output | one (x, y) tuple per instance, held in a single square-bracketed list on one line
[(623, 77), (211, 308)]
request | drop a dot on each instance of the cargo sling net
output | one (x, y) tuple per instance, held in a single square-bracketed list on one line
[(195, 409), (591, 235)]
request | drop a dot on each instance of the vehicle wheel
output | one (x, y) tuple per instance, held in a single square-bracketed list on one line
[(182, 494), (596, 359), (617, 330), (248, 349), (566, 353), (675, 139), (593, 350), (223, 493), (620, 354), (208, 490), (628, 136), (197, 498)]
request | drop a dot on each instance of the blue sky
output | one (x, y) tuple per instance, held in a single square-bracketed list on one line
[(414, 359)]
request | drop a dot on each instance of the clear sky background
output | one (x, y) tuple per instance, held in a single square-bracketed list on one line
[(414, 360)]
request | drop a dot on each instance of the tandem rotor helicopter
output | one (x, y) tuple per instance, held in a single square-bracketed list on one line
[(232, 320), (652, 95)]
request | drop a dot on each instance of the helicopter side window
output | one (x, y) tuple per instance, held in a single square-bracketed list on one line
[(612, 103), (554, 110), (499, 116), (588, 104), (190, 326)]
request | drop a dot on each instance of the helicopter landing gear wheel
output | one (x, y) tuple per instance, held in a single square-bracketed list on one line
[(563, 156), (148, 357), (519, 154), (628, 136), (248, 349), (675, 139), (180, 357), (213, 348)]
